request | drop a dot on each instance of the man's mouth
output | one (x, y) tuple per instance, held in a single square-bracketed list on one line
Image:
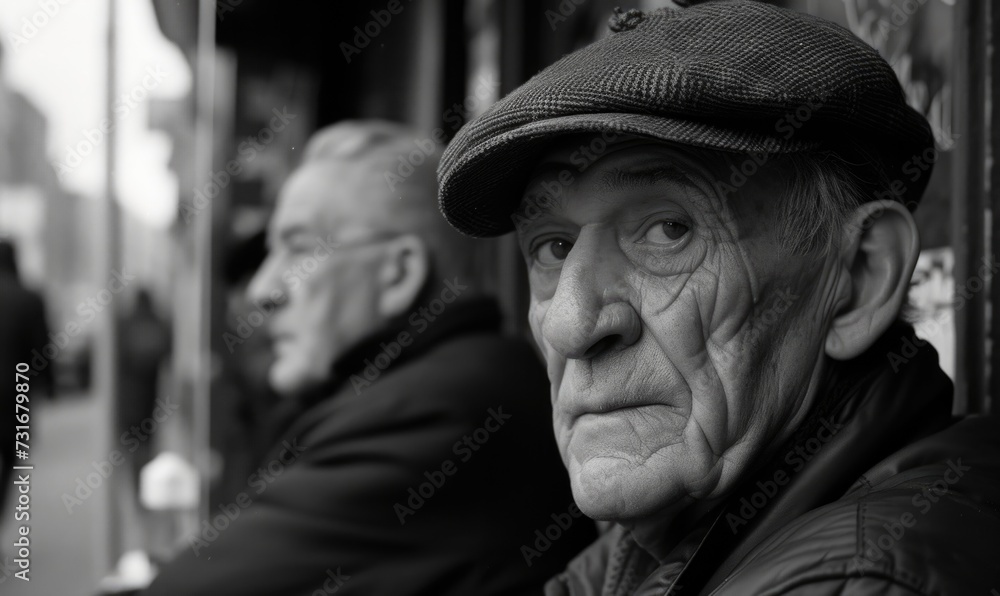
[(579, 408), (280, 338)]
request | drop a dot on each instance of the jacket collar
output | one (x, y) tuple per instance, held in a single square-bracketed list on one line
[(873, 405), (426, 330), (293, 416)]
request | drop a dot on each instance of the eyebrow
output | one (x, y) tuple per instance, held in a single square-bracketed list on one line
[(285, 235), (642, 176)]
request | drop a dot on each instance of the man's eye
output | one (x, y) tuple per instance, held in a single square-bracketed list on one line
[(666, 232), (299, 246), (552, 252)]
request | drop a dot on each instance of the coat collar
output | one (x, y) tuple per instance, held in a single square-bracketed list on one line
[(463, 316), (293, 416)]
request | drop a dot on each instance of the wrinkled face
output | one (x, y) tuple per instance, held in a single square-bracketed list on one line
[(320, 275), (681, 339)]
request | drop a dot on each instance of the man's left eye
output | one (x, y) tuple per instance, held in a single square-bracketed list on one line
[(665, 232)]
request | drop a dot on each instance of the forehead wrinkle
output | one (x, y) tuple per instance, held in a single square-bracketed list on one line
[(651, 174), (286, 224), (643, 176)]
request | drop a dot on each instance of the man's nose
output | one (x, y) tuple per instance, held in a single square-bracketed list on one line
[(590, 312), (266, 285)]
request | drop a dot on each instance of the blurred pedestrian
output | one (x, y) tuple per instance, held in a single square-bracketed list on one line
[(143, 345), (23, 329)]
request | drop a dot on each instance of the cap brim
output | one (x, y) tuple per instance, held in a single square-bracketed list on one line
[(481, 189)]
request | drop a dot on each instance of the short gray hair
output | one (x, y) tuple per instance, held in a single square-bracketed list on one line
[(377, 146), (816, 193)]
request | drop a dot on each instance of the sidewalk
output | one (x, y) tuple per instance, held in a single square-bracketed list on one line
[(63, 546)]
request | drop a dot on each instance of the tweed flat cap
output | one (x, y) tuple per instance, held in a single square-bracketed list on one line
[(733, 75)]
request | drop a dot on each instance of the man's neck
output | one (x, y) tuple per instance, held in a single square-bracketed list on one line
[(660, 534)]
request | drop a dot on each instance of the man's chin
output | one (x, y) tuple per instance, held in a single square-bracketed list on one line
[(611, 489), (286, 380)]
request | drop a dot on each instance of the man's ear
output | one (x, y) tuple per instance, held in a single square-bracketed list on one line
[(402, 275), (878, 252)]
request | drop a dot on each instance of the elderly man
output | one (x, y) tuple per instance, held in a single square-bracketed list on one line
[(714, 206), (421, 462)]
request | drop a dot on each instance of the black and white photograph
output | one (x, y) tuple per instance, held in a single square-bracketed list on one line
[(499, 297)]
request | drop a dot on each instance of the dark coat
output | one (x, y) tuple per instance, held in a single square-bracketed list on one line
[(882, 493), (23, 336), (335, 501)]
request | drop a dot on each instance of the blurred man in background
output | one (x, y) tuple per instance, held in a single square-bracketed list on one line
[(23, 329), (420, 461)]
